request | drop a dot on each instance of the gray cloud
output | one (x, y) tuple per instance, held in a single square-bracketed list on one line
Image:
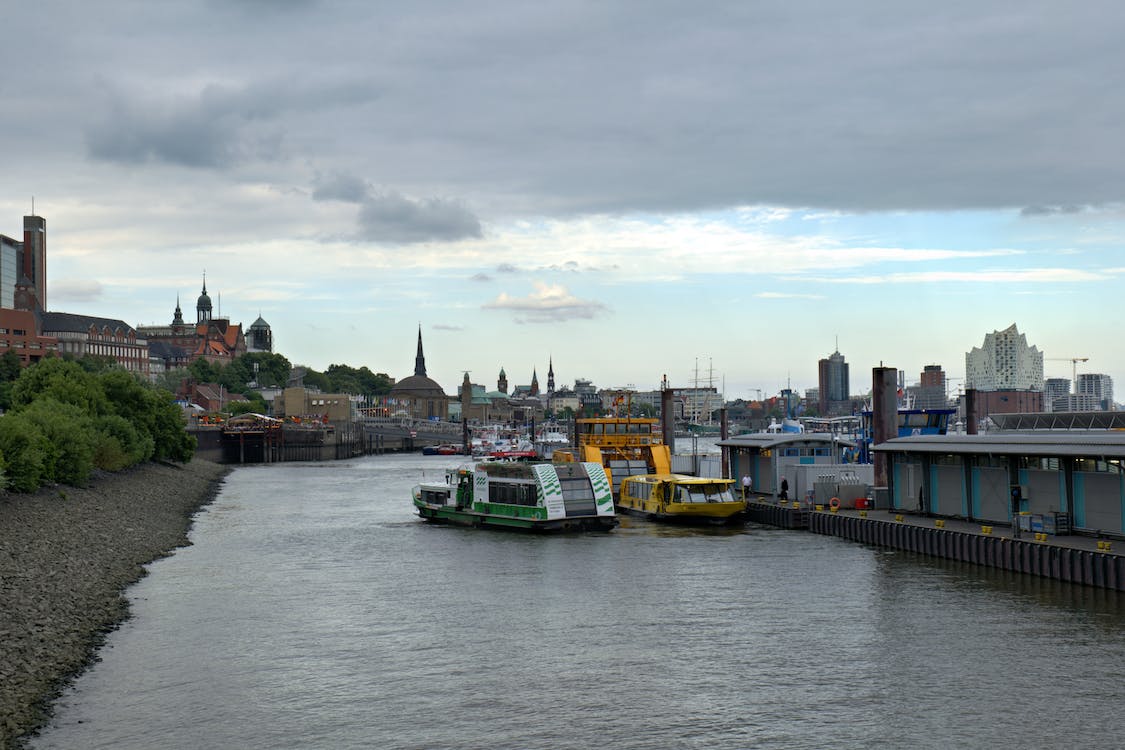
[(219, 127), (394, 218), (1051, 210), (75, 290), (535, 112), (447, 327), (481, 277), (341, 187)]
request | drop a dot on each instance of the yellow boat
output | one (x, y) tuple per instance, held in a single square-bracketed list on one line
[(624, 446), (681, 498)]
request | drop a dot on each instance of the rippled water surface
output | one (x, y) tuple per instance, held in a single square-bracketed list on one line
[(314, 610)]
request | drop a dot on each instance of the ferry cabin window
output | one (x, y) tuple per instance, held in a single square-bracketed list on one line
[(576, 488), (636, 490), (691, 495), (435, 497), (511, 494), (719, 494)]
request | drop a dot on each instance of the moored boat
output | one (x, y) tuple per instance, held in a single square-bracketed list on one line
[(681, 498), (529, 496), (624, 446)]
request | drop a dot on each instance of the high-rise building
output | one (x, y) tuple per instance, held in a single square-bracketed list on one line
[(930, 393), (25, 264), (1004, 362), (1053, 390), (1099, 387), (933, 376), (35, 256), (833, 382)]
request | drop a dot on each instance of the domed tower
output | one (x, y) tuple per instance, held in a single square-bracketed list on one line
[(203, 305), (261, 337), (419, 396), (502, 382)]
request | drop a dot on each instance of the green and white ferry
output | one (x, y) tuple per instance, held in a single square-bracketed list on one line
[(529, 496)]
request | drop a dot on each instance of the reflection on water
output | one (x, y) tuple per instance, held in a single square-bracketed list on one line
[(315, 611)]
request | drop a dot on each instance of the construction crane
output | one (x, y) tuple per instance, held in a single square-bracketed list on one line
[(1073, 369)]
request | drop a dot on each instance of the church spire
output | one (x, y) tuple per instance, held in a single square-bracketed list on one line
[(420, 359)]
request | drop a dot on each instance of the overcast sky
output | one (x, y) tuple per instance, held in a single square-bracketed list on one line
[(629, 189)]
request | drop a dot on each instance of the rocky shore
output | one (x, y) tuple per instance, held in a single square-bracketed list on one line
[(66, 556)]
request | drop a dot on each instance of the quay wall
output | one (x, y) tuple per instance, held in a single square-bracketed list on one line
[(1057, 561)]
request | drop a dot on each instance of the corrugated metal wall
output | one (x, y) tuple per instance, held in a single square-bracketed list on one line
[(991, 501), (947, 495), (1103, 514), (1044, 490)]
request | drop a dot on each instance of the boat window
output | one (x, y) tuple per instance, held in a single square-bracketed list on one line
[(719, 494), (511, 494), (690, 495), (636, 490), (576, 488), (610, 429)]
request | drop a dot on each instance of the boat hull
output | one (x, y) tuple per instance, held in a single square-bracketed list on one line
[(465, 517), (690, 515)]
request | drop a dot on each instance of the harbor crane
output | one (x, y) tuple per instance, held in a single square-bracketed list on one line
[(1073, 369)]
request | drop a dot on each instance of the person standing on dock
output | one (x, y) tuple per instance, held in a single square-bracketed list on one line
[(784, 489), (746, 486)]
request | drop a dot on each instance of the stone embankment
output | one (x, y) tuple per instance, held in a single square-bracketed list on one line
[(66, 556)]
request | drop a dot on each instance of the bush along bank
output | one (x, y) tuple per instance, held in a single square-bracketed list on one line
[(65, 419)]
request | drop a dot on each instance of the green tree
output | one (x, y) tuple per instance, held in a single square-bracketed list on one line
[(119, 444), (72, 438), (234, 408), (202, 371), (65, 382), (10, 369), (314, 379), (25, 450), (171, 440), (94, 363)]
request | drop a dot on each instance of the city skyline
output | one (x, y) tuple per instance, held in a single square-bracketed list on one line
[(734, 192)]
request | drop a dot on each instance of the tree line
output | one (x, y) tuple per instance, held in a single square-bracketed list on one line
[(255, 370)]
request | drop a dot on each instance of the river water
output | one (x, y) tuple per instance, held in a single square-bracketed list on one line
[(314, 610)]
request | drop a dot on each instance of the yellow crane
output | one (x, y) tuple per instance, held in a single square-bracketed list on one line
[(1073, 369)]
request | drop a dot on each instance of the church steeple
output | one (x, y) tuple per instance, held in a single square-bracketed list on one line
[(502, 381), (420, 359), (534, 383), (550, 375), (178, 317)]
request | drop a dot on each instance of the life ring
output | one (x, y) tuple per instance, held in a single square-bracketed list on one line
[(834, 502)]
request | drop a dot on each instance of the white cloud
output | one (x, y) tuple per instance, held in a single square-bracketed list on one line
[(547, 304)]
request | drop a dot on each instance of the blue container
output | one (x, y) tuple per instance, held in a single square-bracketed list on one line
[(1036, 522)]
